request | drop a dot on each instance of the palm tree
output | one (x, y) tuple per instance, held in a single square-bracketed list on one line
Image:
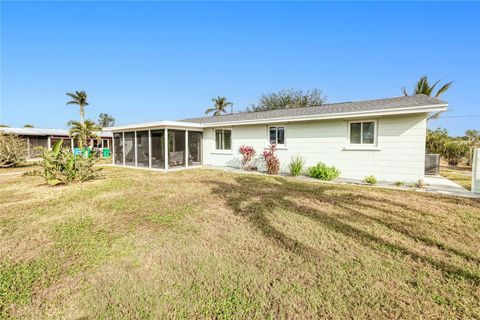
[(473, 141), (80, 99), (220, 106), (82, 132), (423, 87)]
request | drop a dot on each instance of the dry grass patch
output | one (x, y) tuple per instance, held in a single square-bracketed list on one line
[(22, 167), (212, 244), (461, 175)]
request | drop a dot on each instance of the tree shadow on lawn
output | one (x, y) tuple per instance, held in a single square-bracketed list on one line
[(252, 198)]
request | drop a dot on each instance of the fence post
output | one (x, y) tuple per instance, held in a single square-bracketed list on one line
[(476, 171)]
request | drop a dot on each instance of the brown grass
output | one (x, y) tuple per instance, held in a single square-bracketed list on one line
[(462, 175), (212, 244), (22, 167)]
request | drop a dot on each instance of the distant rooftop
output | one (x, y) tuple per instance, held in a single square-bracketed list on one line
[(45, 132), (389, 104)]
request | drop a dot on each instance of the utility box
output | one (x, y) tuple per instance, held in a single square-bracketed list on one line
[(106, 153), (432, 164)]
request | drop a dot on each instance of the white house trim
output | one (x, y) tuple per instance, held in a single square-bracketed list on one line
[(157, 125)]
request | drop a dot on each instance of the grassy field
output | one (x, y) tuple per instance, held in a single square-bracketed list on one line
[(22, 167), (462, 175), (212, 244)]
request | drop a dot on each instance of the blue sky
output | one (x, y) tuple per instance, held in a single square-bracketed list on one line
[(148, 61)]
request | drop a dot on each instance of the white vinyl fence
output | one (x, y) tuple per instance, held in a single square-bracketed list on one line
[(476, 172)]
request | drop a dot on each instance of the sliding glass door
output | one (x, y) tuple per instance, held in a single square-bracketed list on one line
[(194, 148), (158, 148), (176, 148), (129, 148), (142, 149), (118, 145)]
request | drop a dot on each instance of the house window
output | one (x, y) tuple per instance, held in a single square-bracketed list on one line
[(362, 132), (277, 135), (105, 143), (96, 143), (223, 139)]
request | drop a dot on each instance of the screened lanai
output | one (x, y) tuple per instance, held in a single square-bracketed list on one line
[(161, 145)]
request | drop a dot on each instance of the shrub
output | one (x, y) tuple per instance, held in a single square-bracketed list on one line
[(60, 166), (472, 138), (399, 183), (371, 179), (296, 165), (454, 151), (323, 172), (247, 152), (271, 159), (436, 139), (13, 150)]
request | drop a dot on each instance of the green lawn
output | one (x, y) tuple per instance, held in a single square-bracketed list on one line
[(212, 244)]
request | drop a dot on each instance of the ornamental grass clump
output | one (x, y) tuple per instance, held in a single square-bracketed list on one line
[(247, 152), (296, 165), (271, 159), (61, 166), (323, 172), (370, 179)]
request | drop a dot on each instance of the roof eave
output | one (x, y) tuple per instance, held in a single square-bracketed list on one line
[(344, 115), (157, 124)]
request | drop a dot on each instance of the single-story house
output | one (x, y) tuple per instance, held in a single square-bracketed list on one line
[(383, 137), (36, 137)]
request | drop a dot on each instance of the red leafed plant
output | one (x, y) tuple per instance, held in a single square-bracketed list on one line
[(247, 152), (273, 164)]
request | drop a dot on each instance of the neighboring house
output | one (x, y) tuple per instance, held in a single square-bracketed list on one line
[(36, 137), (384, 138)]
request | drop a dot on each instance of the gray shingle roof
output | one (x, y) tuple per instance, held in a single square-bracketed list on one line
[(334, 108)]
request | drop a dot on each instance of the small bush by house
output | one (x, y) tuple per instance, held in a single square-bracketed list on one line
[(371, 179), (323, 172), (13, 150), (296, 165), (247, 152), (271, 160)]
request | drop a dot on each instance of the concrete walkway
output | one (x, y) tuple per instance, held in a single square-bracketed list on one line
[(439, 184)]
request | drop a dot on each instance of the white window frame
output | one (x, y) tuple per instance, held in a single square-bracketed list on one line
[(223, 139), (284, 145), (361, 144)]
